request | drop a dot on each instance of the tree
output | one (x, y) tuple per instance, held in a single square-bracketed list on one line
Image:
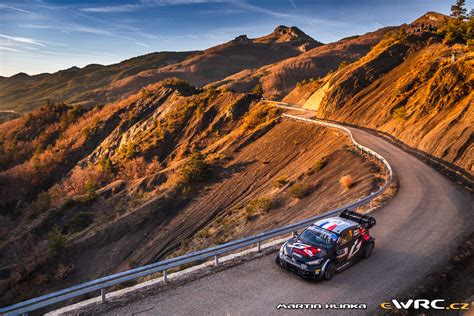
[(458, 10), (258, 90), (57, 242)]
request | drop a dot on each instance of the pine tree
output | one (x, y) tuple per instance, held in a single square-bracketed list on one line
[(458, 10)]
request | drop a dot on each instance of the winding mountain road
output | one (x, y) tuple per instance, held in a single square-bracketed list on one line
[(415, 233)]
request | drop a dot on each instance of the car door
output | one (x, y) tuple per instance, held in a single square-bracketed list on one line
[(349, 246), (342, 248), (355, 244)]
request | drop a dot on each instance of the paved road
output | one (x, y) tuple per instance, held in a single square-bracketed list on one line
[(415, 232)]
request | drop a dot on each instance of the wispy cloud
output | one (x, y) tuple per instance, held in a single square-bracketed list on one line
[(292, 3), (261, 10), (146, 4), (10, 49), (112, 9), (25, 40), (16, 9), (142, 44)]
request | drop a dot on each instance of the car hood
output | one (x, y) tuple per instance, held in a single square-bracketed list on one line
[(302, 251)]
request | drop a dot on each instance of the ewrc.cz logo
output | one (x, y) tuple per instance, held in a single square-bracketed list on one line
[(322, 306), (424, 304)]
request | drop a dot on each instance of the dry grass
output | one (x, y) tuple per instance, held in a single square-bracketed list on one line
[(346, 181), (300, 190), (280, 182)]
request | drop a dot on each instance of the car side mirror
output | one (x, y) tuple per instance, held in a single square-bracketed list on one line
[(295, 234)]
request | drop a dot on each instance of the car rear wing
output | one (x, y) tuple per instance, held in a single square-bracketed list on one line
[(364, 220)]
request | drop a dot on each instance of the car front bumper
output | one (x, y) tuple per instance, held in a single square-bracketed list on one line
[(311, 272)]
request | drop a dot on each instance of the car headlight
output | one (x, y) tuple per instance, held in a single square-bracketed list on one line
[(314, 262)]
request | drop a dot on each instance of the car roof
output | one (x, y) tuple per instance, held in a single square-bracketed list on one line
[(335, 224)]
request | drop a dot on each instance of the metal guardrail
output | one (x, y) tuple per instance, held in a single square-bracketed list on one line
[(162, 266)]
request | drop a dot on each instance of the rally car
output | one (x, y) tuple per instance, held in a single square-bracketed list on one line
[(328, 246)]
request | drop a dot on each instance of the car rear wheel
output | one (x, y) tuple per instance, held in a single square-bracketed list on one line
[(368, 250), (329, 272)]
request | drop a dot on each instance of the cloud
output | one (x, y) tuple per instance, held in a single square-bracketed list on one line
[(112, 9), (147, 3), (10, 49), (16, 9), (142, 44), (257, 9), (24, 40), (292, 3)]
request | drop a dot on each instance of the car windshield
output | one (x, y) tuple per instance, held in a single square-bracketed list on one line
[(318, 236)]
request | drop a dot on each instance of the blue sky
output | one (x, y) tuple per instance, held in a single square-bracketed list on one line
[(45, 36)]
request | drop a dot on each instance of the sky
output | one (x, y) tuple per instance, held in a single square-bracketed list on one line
[(39, 36)]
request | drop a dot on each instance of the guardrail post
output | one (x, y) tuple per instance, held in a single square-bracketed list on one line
[(165, 276), (102, 295), (216, 261), (259, 246)]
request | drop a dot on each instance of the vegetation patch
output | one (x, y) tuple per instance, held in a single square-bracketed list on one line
[(80, 221), (280, 182), (196, 169), (346, 181), (300, 190), (57, 242)]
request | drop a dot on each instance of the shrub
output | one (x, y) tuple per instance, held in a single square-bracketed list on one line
[(457, 31), (320, 164), (343, 64), (137, 168), (280, 182), (259, 115), (259, 205), (63, 271), (42, 203), (300, 190), (144, 93), (196, 169), (346, 181), (400, 114), (80, 221), (257, 90), (57, 242)]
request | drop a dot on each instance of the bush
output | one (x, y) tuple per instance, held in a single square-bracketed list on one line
[(42, 203), (320, 164), (259, 114), (257, 90), (400, 114), (343, 64), (196, 169), (457, 31), (346, 181), (300, 190), (280, 182), (80, 221), (63, 271), (259, 205), (57, 242)]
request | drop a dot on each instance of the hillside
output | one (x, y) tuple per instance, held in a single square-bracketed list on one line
[(280, 78), (23, 93), (409, 87), (170, 169), (97, 84)]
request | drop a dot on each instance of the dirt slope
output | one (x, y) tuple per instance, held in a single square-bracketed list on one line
[(133, 181), (406, 86)]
